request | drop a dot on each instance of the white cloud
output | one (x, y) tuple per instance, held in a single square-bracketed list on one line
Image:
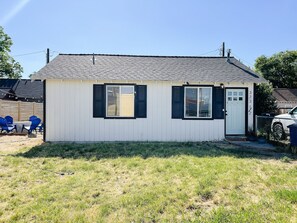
[(14, 11)]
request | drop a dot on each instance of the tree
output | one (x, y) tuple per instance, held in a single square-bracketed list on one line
[(264, 101), (280, 69), (8, 66)]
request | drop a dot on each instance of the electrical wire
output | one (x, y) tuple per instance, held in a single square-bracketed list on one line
[(210, 52), (25, 54), (243, 60), (53, 52)]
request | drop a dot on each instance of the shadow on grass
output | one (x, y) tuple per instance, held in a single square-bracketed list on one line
[(143, 150)]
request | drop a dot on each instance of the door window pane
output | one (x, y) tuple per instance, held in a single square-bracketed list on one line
[(191, 102)]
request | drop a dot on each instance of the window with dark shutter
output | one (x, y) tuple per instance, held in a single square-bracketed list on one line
[(119, 101), (98, 100), (198, 102), (218, 103), (177, 110), (140, 101)]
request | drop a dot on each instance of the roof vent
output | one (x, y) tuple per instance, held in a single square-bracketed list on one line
[(94, 59), (228, 55)]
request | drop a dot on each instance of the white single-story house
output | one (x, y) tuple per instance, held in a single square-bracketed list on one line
[(102, 97)]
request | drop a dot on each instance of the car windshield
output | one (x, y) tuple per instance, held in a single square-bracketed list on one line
[(293, 111)]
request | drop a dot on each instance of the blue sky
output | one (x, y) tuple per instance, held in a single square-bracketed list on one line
[(153, 27)]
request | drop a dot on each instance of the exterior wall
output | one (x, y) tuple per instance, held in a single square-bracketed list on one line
[(250, 106), (69, 116)]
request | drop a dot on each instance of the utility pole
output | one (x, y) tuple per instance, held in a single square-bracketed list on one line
[(47, 55), (223, 49)]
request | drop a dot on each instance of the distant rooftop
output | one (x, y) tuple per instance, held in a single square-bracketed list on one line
[(21, 89), (285, 94), (147, 68)]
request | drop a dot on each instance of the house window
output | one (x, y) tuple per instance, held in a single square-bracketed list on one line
[(120, 101), (198, 102)]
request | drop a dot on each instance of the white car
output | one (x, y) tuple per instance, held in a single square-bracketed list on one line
[(280, 123)]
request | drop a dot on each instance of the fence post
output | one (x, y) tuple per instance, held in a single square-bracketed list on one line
[(256, 130), (19, 111)]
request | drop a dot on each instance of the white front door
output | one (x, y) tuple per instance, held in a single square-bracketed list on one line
[(235, 111)]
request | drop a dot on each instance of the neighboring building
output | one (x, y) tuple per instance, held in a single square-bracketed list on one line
[(21, 90), (146, 98), (286, 99), (21, 98)]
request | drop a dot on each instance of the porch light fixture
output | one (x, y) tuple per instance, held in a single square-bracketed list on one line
[(222, 85)]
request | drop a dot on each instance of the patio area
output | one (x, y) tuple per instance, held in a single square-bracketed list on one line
[(12, 143)]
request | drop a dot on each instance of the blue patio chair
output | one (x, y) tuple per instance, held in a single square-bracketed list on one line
[(32, 117), (40, 127), (5, 127), (9, 120), (33, 126)]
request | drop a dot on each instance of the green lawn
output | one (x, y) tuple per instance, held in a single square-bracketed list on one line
[(146, 182)]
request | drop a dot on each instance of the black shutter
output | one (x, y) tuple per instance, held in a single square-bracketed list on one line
[(140, 101), (177, 111), (98, 100), (218, 103)]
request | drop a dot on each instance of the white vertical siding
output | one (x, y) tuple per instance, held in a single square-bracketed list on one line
[(250, 107), (69, 117)]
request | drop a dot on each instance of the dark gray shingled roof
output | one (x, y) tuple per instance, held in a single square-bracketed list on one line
[(285, 94), (147, 68), (21, 89)]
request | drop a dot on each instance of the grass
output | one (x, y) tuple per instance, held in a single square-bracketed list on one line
[(146, 182)]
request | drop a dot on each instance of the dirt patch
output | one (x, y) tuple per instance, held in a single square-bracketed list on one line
[(13, 143)]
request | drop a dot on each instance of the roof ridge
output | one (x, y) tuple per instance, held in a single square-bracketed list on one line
[(130, 55)]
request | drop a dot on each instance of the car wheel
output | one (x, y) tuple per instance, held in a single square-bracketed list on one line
[(278, 131)]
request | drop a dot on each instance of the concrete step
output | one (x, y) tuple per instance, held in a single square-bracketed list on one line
[(236, 138)]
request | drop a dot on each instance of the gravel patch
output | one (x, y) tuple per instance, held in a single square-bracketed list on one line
[(12, 143)]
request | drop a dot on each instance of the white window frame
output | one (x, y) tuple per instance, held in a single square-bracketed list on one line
[(120, 91), (211, 102)]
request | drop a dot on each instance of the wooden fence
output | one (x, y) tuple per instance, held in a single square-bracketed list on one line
[(21, 111)]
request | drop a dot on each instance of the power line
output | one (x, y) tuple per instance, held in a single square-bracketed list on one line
[(53, 52), (250, 65), (210, 52), (25, 54)]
